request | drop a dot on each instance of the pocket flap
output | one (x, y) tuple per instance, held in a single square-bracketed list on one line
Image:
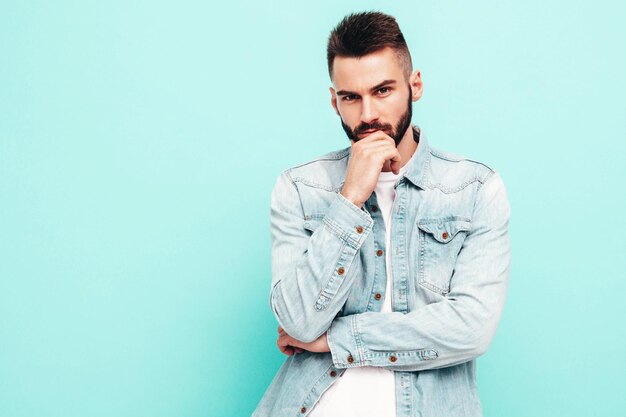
[(444, 229)]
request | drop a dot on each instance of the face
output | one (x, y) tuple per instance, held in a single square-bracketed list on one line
[(396, 132), (372, 93)]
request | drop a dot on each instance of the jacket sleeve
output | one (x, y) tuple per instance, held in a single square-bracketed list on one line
[(454, 330), (312, 272)]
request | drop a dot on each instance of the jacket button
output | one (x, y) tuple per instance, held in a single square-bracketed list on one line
[(303, 410), (444, 235), (379, 252), (359, 229), (350, 359), (333, 373), (378, 296), (340, 271), (374, 209), (393, 358)]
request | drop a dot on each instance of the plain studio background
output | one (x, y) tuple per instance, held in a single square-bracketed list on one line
[(139, 142)]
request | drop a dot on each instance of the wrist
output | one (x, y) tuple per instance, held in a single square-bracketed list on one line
[(351, 198)]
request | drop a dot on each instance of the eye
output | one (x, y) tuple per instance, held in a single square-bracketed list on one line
[(350, 97), (383, 91)]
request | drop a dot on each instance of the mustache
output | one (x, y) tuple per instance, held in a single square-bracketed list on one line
[(362, 128)]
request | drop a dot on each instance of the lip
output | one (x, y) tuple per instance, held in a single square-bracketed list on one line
[(367, 132)]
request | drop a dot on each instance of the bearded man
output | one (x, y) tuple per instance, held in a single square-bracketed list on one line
[(390, 259)]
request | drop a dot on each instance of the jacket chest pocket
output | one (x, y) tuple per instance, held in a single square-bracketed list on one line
[(440, 241)]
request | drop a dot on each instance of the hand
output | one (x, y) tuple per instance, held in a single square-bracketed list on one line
[(366, 162), (289, 346)]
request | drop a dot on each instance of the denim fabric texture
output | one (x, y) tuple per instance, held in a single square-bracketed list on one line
[(451, 259)]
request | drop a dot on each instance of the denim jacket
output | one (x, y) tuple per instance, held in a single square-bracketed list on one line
[(450, 257)]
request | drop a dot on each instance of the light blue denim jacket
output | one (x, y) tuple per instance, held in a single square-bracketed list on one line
[(450, 257)]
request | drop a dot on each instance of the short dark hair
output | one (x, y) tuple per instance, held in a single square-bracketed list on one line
[(359, 34)]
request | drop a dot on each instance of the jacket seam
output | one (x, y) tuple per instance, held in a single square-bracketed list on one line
[(333, 156), (305, 181)]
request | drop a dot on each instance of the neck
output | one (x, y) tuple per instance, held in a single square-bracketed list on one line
[(406, 147)]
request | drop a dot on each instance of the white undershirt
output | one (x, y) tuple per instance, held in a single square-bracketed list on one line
[(367, 391)]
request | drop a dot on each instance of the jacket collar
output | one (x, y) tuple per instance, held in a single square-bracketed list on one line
[(418, 165)]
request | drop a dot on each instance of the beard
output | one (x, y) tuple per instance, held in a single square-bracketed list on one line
[(396, 134)]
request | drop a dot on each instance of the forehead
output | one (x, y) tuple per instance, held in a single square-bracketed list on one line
[(362, 73)]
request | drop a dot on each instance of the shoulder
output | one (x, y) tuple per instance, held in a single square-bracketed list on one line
[(326, 171), (452, 172)]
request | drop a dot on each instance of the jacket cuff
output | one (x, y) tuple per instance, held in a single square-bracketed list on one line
[(348, 222), (344, 342)]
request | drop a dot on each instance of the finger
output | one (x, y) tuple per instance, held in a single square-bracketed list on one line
[(395, 166), (376, 136), (379, 148), (286, 349), (394, 158), (379, 143), (377, 152), (293, 342), (282, 340), (286, 340)]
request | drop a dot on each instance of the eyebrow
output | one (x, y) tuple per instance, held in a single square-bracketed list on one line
[(376, 87)]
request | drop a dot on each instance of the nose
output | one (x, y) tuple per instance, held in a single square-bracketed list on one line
[(369, 113)]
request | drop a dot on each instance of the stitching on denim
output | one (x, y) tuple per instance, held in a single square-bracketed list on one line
[(331, 156), (337, 230), (305, 181), (443, 220), (425, 354), (454, 227), (490, 175), (423, 282), (361, 213), (422, 253), (450, 190), (308, 401), (358, 341), (332, 346), (348, 237), (432, 287), (447, 156), (341, 261)]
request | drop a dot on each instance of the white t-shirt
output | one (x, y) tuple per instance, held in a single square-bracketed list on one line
[(367, 391)]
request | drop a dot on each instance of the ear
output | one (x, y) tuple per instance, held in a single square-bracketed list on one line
[(333, 100), (415, 80)]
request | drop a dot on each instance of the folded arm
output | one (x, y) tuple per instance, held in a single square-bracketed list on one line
[(312, 273), (454, 330)]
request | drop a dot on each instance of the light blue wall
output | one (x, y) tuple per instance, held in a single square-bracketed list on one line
[(139, 142)]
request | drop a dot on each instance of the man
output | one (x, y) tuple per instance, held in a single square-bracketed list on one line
[(390, 259)]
